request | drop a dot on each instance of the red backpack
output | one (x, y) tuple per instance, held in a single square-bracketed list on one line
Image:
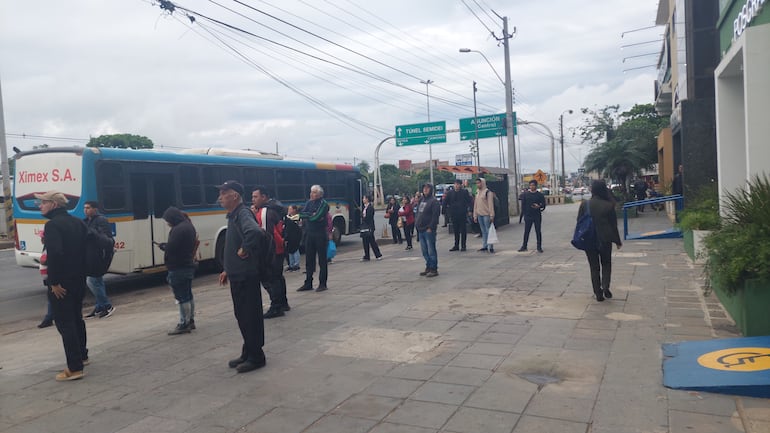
[(277, 229)]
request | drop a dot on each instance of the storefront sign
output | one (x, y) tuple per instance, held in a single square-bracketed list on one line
[(748, 12)]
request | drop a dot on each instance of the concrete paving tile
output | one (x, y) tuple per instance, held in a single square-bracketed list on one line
[(368, 406), (588, 344), (466, 331), (21, 408), (606, 324), (422, 414), (533, 424), (484, 348), (510, 328), (341, 424), (500, 337), (158, 425), (414, 371), (518, 393), (594, 334), (631, 405), (78, 419), (701, 402), (571, 389), (448, 393), (283, 420), (462, 375), (393, 387), (472, 420), (488, 362), (388, 427), (563, 408), (437, 326), (703, 423)]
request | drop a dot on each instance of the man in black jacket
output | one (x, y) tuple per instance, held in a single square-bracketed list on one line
[(179, 257), (271, 221), (314, 215), (243, 241), (65, 244), (458, 201), (534, 205), (98, 223), (426, 224)]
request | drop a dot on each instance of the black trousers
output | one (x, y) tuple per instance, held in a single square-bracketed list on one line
[(369, 241), (460, 228), (68, 316), (247, 306), (600, 262), (315, 247), (397, 238), (529, 221), (276, 288), (408, 231)]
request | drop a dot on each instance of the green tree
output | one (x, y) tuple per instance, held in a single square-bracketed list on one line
[(364, 167), (121, 141), (615, 159), (641, 125)]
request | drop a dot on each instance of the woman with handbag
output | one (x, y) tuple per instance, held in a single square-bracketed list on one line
[(406, 220), (367, 230), (391, 213)]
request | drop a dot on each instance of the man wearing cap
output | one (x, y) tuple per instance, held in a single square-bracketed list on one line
[(243, 240), (65, 245)]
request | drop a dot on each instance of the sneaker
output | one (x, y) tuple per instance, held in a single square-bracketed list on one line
[(432, 273), (106, 313), (274, 312), (409, 247), (321, 288), (454, 248), (522, 249), (364, 259), (607, 293), (482, 249), (540, 250), (305, 287), (45, 323), (181, 328), (69, 375), (92, 314), (379, 258)]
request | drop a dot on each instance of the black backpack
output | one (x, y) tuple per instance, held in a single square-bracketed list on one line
[(100, 249)]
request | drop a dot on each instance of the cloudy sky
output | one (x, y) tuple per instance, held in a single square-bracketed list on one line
[(316, 79)]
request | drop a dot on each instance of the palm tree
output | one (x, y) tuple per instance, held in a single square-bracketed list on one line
[(615, 159)]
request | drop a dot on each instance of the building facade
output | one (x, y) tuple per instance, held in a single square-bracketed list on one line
[(742, 83)]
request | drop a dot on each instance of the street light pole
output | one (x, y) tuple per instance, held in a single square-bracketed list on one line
[(430, 146), (553, 147), (561, 140)]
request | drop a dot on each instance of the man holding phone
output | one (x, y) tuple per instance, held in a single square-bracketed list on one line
[(534, 205)]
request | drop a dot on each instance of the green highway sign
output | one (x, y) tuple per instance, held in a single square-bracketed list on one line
[(421, 133), (489, 126)]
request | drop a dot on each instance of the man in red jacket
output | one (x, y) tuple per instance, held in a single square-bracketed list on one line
[(271, 220)]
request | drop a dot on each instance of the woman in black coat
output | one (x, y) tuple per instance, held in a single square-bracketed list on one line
[(391, 213), (602, 206), (367, 231)]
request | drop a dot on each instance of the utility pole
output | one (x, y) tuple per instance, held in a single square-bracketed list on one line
[(513, 184), (7, 213), (561, 140), (476, 124), (430, 147)]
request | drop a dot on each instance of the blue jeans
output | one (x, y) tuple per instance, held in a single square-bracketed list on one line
[(96, 285), (428, 247), (294, 259), (484, 222)]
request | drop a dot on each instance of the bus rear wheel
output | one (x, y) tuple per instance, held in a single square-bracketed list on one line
[(337, 231)]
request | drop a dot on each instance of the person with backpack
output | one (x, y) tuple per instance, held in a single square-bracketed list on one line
[(270, 215), (484, 212), (292, 237), (98, 226), (179, 257), (65, 246), (245, 242), (313, 216), (533, 207), (602, 209)]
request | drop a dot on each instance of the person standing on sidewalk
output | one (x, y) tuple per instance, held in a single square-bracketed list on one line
[(534, 205), (269, 217), (602, 206), (391, 213), (97, 222), (65, 245), (179, 257), (406, 213), (314, 218), (426, 223), (367, 230), (458, 201), (243, 241), (484, 212), (293, 237)]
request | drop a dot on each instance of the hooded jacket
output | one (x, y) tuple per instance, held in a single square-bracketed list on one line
[(484, 204), (429, 212), (180, 249)]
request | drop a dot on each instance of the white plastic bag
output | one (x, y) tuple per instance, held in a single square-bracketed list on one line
[(492, 235)]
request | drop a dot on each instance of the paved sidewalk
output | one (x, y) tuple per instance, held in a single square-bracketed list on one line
[(510, 342)]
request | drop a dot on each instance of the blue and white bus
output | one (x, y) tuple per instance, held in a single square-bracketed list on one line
[(135, 187)]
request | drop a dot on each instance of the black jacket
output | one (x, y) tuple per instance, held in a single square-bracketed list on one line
[(179, 250), (458, 201), (430, 210), (65, 244), (531, 198), (243, 232), (605, 219), (367, 217)]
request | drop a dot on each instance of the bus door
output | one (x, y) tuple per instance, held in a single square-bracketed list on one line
[(151, 195)]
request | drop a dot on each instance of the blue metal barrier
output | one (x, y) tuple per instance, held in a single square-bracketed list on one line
[(660, 234)]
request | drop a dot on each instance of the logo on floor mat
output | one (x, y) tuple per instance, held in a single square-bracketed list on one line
[(737, 359)]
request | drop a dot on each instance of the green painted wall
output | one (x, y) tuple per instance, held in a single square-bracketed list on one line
[(727, 17)]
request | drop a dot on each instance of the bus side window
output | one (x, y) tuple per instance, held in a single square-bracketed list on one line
[(191, 185), (290, 185), (110, 178), (214, 176)]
